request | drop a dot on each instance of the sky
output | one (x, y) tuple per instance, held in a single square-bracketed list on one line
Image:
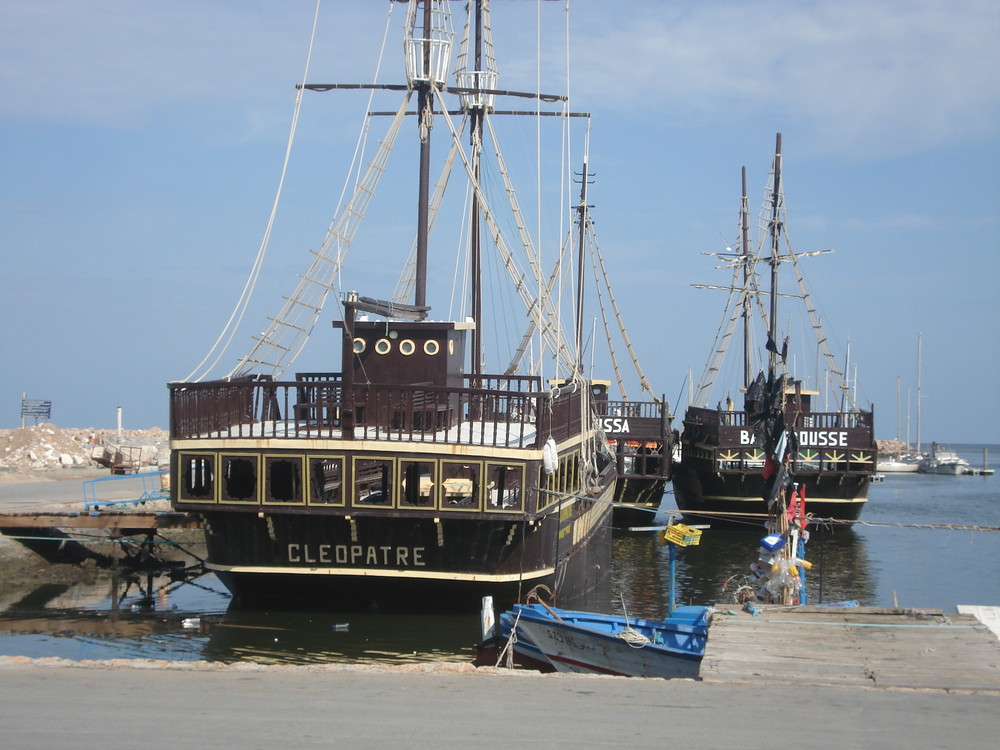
[(143, 144)]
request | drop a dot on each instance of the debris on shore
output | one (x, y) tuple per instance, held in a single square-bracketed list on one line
[(43, 447)]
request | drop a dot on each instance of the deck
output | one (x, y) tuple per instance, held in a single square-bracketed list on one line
[(852, 646)]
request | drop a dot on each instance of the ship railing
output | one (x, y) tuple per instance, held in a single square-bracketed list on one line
[(815, 420), (320, 406), (630, 409)]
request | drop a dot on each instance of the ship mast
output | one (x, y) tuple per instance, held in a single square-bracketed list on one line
[(747, 261), (477, 110), (582, 209), (774, 227)]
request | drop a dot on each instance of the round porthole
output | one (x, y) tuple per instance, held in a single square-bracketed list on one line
[(407, 347), (382, 346), (394, 334), (360, 345), (431, 348), (451, 346)]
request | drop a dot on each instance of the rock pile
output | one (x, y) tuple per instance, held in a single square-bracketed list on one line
[(44, 446)]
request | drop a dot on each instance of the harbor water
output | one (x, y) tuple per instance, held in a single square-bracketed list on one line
[(924, 541)]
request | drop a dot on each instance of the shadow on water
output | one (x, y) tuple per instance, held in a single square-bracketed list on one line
[(156, 616)]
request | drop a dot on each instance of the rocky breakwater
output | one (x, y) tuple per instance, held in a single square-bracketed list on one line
[(46, 448)]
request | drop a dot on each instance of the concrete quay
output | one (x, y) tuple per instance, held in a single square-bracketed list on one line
[(52, 704)]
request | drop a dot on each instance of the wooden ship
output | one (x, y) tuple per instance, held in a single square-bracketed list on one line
[(720, 478), (405, 477)]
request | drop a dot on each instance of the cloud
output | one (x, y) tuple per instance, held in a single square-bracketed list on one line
[(870, 78)]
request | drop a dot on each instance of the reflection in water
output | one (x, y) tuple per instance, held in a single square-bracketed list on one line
[(640, 571), (886, 558)]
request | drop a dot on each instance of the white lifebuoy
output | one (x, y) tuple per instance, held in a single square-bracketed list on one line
[(550, 458)]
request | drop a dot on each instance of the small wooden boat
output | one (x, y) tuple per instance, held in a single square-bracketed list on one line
[(587, 642)]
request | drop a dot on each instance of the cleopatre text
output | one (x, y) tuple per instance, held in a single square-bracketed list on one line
[(357, 554)]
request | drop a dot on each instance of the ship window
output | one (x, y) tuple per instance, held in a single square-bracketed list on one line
[(431, 348), (382, 346), (505, 487), (416, 487), (197, 477), (460, 485), (326, 477), (239, 478), (407, 347), (284, 479), (360, 345), (373, 481)]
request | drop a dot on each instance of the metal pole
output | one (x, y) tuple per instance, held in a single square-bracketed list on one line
[(673, 574)]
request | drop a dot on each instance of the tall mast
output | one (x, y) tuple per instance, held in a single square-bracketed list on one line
[(745, 245), (775, 232), (582, 210), (476, 112), (425, 120)]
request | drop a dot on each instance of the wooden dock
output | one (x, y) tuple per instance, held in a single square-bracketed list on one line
[(68, 537), (122, 523), (852, 646)]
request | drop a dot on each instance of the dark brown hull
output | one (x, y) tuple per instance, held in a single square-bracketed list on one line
[(736, 499), (719, 479), (402, 564)]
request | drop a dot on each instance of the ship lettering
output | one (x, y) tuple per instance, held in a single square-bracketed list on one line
[(357, 555), (614, 424), (812, 438)]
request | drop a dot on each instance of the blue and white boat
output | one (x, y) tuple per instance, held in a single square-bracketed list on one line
[(587, 642)]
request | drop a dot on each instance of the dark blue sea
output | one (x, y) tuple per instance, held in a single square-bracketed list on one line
[(923, 541)]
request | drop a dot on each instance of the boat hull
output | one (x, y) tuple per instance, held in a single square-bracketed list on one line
[(637, 500), (383, 563), (589, 643), (737, 498)]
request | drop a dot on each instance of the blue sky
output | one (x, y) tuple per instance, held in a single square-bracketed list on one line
[(142, 143)]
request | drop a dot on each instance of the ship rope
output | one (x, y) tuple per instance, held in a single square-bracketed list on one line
[(407, 277), (821, 339), (643, 382), (219, 348), (517, 276), (290, 329)]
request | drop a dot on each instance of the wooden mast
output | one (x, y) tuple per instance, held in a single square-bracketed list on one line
[(425, 119), (477, 112), (775, 227)]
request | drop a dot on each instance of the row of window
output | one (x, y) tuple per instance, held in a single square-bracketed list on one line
[(374, 481)]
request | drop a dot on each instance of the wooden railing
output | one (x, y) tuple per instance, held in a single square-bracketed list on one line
[(321, 405)]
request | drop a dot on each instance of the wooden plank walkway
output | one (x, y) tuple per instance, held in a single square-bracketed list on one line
[(852, 646), (120, 522)]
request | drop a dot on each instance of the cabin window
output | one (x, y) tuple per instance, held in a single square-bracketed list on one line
[(373, 481), (382, 346), (407, 347), (326, 479), (431, 347), (360, 345), (197, 477), (283, 479), (240, 475), (460, 485), (416, 486), (505, 487)]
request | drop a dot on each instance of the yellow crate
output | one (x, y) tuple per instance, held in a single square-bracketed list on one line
[(681, 535)]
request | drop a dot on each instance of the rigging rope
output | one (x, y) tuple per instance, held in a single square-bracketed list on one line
[(236, 317)]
